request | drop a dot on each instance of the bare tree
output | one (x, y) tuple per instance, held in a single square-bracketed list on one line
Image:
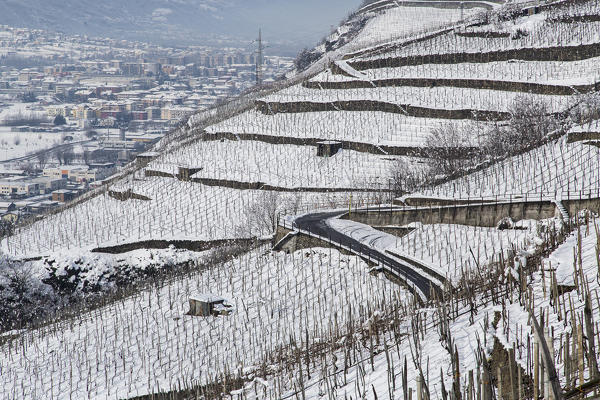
[(42, 158), (529, 125), (68, 155), (404, 177), (530, 121), (262, 214), (449, 149)]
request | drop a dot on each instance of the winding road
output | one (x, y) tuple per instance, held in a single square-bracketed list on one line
[(316, 224)]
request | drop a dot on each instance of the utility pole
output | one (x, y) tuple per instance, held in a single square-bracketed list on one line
[(259, 60)]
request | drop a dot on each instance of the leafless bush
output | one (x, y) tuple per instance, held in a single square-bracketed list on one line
[(587, 109), (530, 123), (448, 149), (261, 216), (404, 178)]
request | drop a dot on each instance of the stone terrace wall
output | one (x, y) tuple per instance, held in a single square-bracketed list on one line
[(271, 108), (563, 53), (526, 87)]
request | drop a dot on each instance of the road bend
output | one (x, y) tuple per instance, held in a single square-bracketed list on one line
[(316, 224)]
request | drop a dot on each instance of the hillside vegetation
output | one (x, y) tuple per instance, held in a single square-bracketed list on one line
[(469, 155)]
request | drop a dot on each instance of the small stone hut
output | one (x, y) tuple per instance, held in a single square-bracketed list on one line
[(205, 305)]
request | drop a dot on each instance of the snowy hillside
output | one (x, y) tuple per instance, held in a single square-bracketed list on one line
[(464, 288)]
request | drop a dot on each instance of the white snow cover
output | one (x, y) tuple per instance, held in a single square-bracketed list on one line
[(558, 169), (280, 165), (374, 127), (146, 342)]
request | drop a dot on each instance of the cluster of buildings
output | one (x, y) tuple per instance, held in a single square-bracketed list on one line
[(23, 195), (117, 98), (104, 81)]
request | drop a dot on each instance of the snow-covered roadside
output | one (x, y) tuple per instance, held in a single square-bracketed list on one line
[(448, 250)]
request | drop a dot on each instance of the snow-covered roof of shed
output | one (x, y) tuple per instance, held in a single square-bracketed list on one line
[(207, 297)]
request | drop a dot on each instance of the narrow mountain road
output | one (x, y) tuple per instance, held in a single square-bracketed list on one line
[(316, 224)]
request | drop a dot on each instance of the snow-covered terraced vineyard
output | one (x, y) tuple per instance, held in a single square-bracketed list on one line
[(397, 23), (372, 127), (146, 343), (316, 323), (285, 166), (448, 98), (582, 72), (559, 169), (175, 210), (535, 32)]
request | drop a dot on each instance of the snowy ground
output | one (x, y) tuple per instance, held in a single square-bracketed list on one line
[(447, 98), (554, 170), (146, 342), (176, 211), (280, 165), (372, 127)]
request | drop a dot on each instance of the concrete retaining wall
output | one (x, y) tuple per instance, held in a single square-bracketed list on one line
[(576, 205), (485, 215)]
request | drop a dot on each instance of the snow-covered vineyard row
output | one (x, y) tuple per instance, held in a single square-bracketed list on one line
[(445, 98), (285, 166), (373, 127), (583, 72), (176, 211), (559, 169), (146, 343), (524, 33)]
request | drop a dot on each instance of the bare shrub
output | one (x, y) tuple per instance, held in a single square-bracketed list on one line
[(530, 121), (587, 109), (404, 178), (262, 214), (448, 149), (529, 125)]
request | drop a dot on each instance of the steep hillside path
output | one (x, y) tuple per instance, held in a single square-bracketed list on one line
[(316, 225)]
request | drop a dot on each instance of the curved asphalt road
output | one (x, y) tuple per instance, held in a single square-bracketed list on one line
[(317, 224)]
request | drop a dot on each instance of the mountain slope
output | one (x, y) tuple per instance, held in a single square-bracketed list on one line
[(179, 21)]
